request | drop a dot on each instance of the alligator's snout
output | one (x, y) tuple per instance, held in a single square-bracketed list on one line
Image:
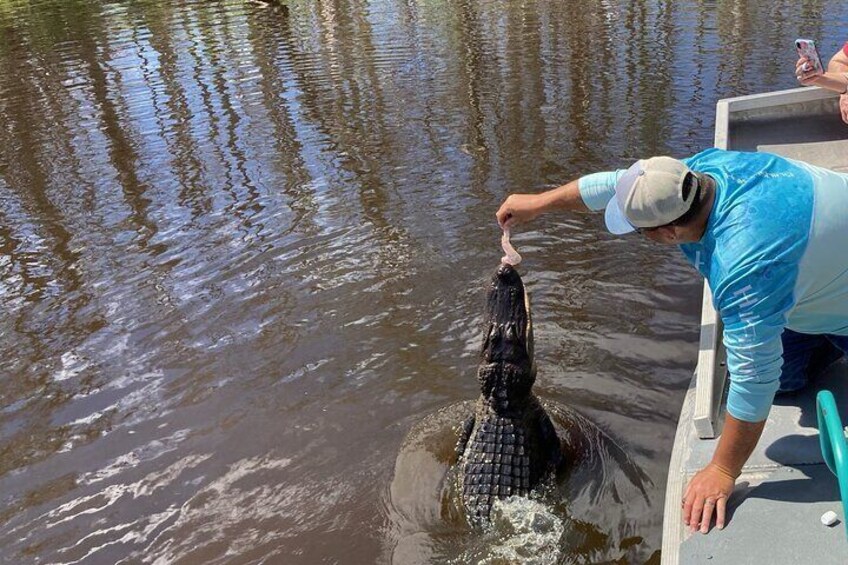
[(505, 271), (507, 369), (506, 295)]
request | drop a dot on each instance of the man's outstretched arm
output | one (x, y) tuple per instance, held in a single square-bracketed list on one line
[(588, 193), (522, 208)]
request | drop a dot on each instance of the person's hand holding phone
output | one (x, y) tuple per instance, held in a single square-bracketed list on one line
[(810, 71), (806, 72), (809, 66)]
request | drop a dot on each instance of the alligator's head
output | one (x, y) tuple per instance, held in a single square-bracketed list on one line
[(507, 367)]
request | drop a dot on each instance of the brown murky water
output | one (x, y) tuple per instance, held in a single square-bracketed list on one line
[(242, 251)]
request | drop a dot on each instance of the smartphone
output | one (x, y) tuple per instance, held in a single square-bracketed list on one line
[(807, 48)]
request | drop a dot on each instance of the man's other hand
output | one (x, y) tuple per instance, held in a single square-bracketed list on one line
[(707, 493)]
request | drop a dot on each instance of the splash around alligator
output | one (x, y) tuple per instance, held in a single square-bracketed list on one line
[(529, 477), (577, 515)]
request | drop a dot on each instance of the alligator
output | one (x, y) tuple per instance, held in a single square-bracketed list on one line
[(509, 445)]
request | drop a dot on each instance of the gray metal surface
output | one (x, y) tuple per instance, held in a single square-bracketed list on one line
[(830, 154), (783, 490), (710, 372), (775, 519)]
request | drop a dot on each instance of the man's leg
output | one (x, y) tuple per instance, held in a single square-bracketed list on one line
[(804, 356)]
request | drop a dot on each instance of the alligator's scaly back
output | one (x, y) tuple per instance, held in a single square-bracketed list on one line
[(509, 444)]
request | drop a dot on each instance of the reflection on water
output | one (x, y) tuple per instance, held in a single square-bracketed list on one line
[(242, 247)]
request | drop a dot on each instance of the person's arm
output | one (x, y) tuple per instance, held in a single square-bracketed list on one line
[(754, 316), (737, 442), (839, 62), (523, 208), (831, 80), (588, 193)]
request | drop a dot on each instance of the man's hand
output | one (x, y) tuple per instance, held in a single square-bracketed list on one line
[(843, 107), (707, 492), (520, 208)]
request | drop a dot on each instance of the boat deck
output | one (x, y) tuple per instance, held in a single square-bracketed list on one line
[(775, 512), (774, 515)]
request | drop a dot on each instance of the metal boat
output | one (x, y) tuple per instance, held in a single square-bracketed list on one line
[(774, 515)]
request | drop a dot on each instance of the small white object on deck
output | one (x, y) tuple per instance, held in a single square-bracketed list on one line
[(829, 518)]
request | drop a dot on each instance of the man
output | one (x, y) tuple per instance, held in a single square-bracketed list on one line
[(771, 236), (836, 77)]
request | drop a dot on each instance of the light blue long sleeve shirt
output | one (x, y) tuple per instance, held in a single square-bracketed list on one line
[(775, 252)]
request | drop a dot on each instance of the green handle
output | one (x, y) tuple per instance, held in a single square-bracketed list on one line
[(833, 445)]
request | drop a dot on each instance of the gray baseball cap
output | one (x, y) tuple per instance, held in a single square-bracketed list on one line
[(649, 194)]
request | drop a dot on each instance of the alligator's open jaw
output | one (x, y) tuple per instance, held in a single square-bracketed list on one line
[(507, 369)]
